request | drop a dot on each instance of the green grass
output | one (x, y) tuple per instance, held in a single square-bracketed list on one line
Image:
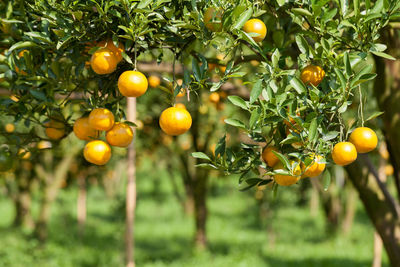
[(287, 236)]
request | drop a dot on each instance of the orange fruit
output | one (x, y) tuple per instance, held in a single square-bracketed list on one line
[(116, 50), (222, 68), (256, 26), (389, 170), (9, 127), (120, 135), (103, 61), (44, 145), (180, 105), (175, 121), (287, 180), (312, 75), (24, 154), (14, 98), (154, 81), (269, 157), (214, 97), (211, 66), (364, 139), (101, 119), (132, 83), (83, 131), (212, 19), (344, 153), (316, 167), (54, 129), (97, 152)]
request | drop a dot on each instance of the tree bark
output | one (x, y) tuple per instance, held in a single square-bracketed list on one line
[(23, 215), (130, 190), (379, 208), (200, 205), (351, 205), (377, 261)]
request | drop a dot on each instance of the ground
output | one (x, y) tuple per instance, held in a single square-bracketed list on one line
[(288, 236)]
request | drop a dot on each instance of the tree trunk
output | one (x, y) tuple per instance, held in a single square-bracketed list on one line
[(351, 205), (200, 207), (81, 205), (130, 190), (377, 261), (380, 209), (23, 215)]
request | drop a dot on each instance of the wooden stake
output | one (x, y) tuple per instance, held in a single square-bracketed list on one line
[(130, 189)]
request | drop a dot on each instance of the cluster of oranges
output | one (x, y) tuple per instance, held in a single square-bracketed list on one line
[(362, 140), (173, 120)]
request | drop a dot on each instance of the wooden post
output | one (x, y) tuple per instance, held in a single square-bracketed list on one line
[(130, 189)]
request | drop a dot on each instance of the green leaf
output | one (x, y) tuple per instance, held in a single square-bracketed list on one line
[(302, 44), (256, 91), (326, 178), (374, 115), (245, 16), (298, 85), (38, 95), (238, 101), (356, 4), (330, 135), (282, 159), (207, 166), (341, 77), (275, 58), (200, 155), (255, 115), (382, 54), (343, 108), (312, 132), (302, 12), (344, 5), (235, 123), (21, 45), (347, 64)]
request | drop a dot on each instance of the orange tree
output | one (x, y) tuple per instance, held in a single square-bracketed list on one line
[(313, 61)]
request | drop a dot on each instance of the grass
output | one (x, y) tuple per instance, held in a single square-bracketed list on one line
[(287, 236)]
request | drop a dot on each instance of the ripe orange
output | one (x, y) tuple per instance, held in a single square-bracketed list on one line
[(154, 81), (54, 129), (132, 83), (269, 157), (312, 75), (24, 154), (364, 139), (316, 167), (222, 69), (101, 119), (9, 127), (286, 180), (344, 153), (180, 105), (116, 50), (212, 19), (83, 131), (214, 97), (103, 61), (211, 66), (97, 152), (389, 170), (256, 26), (44, 145), (175, 121), (120, 135)]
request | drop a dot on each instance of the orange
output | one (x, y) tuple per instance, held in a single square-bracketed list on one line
[(269, 157), (214, 97), (44, 145), (180, 105), (175, 121), (315, 168), (211, 66), (24, 154), (222, 68), (286, 180), (154, 81), (181, 93), (389, 170), (364, 139), (132, 83), (9, 127), (312, 75), (14, 98), (101, 119), (344, 153), (103, 61), (256, 26), (116, 50), (97, 152), (212, 19), (54, 129), (120, 135), (83, 131)]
